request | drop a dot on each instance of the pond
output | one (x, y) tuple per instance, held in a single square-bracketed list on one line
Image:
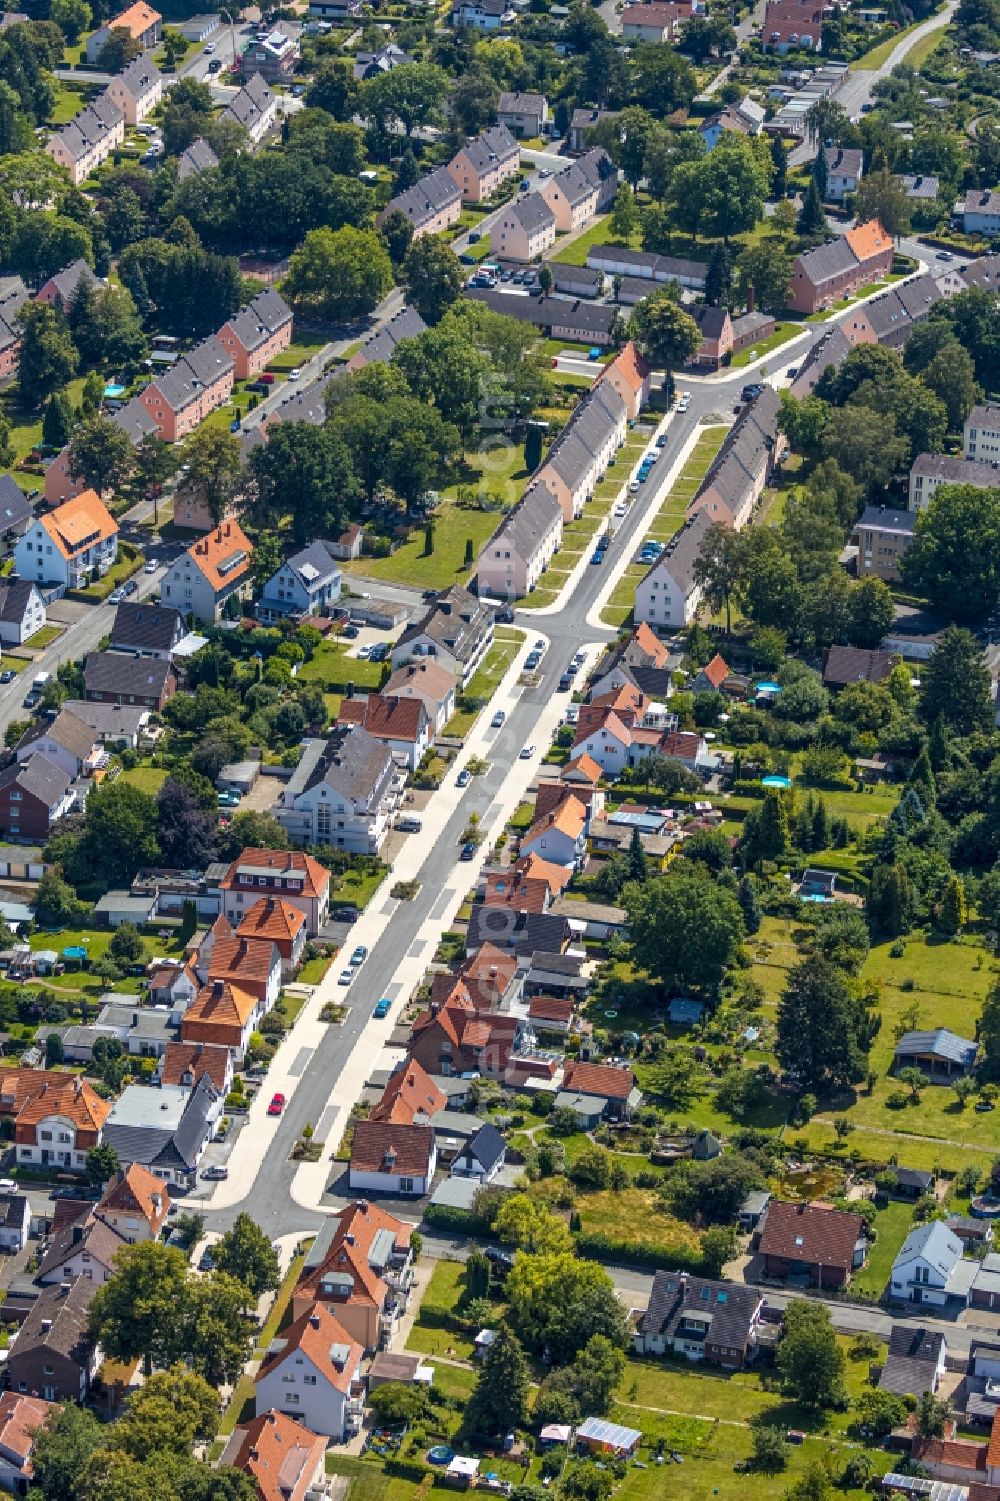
[(810, 1183)]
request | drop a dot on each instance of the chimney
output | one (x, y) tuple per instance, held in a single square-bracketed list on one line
[(157, 1202), (135, 1018), (363, 1205)]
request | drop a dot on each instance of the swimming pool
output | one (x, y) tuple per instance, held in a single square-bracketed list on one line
[(113, 391), (775, 781), (768, 687)]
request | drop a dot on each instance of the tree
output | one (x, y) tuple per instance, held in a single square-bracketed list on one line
[(684, 929), (119, 834), (951, 375), (185, 827), (499, 1403), (214, 461), (558, 1301), (765, 831), (951, 913), (413, 93), (746, 895), (953, 560), (72, 17), (432, 277), (719, 277), (333, 88), (881, 196), (57, 423), (251, 830), (810, 1362), (172, 1410), (475, 98), (56, 904), (524, 1222), (137, 1313), (340, 273), (215, 1333), (871, 611), (823, 1033), (718, 1245), (100, 454), (246, 1254), (770, 1448), (306, 473), (624, 215), (811, 220), (880, 1412), (718, 568), (932, 1413), (48, 360), (820, 174), (102, 1164), (61, 1449), (890, 903), (638, 869), (665, 334), (955, 683), (988, 1034), (126, 944), (397, 232), (813, 1485), (765, 273), (119, 50)]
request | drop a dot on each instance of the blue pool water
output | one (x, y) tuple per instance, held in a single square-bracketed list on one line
[(775, 781), (113, 391), (768, 687)]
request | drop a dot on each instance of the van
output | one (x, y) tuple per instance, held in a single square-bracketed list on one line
[(409, 825), (39, 680)]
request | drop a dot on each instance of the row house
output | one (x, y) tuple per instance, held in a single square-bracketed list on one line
[(892, 317), (380, 346), (401, 724), (482, 166), (637, 661), (278, 923), (360, 1267), (456, 631), (199, 157), (86, 141), (141, 22), (69, 545), (525, 230), (132, 419), (514, 559), (840, 269), (585, 188), (137, 89), (933, 469), (223, 1014), (289, 876), (257, 334), (343, 792), (198, 384), (557, 317), (12, 299), (250, 964), (429, 682), (669, 596), (432, 205), (578, 459), (254, 108), (524, 114), (744, 465), (214, 570)]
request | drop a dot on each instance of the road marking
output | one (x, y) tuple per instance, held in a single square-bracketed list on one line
[(301, 1059), (325, 1121), (441, 905), (416, 948), (389, 907)]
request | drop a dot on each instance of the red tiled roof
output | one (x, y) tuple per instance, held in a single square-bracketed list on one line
[(67, 1095), (395, 718), (315, 1333), (409, 1091), (280, 1455), (955, 1452), (716, 671), (380, 1147), (138, 1191), (197, 1058), (283, 863), (993, 1457), (271, 918), (599, 1079), (20, 1418), (550, 1008), (811, 1233)]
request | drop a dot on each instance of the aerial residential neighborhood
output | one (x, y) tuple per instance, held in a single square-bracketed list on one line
[(500, 765)]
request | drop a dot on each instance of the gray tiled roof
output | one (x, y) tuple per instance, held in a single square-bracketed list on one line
[(827, 261), (146, 627), (529, 520), (426, 198), (199, 157), (532, 212), (38, 776), (681, 553), (730, 1305), (208, 360), (954, 470), (134, 421), (831, 351), (68, 279), (919, 187), (886, 519), (941, 1042), (844, 161), (15, 595), (262, 317), (546, 312), (131, 677), (711, 321), (380, 346), (157, 1148), (15, 507), (355, 763), (592, 425), (521, 104), (140, 75), (493, 146), (456, 619), (307, 404), (250, 103), (574, 184), (310, 562), (570, 458)]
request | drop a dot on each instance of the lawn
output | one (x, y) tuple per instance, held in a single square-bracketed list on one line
[(26, 427), (437, 1329), (783, 332), (298, 352), (892, 1226), (313, 971), (44, 637), (483, 684), (356, 887), (129, 562), (147, 778), (628, 1217), (599, 233), (334, 669), (881, 54)]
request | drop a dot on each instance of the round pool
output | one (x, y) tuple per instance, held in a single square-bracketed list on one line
[(440, 1455), (775, 781), (985, 1207)]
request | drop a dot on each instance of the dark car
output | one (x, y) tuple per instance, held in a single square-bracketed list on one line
[(351, 632), (468, 852), (345, 914), (500, 1261)]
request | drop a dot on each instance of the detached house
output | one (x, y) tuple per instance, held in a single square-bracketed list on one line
[(60, 1117), (928, 1267), (432, 684), (523, 114), (361, 1267), (63, 548), (401, 724), (113, 678), (137, 90), (484, 164), (292, 877), (559, 836), (22, 611), (343, 792), (59, 289), (391, 1158), (142, 23), (223, 1014), (282, 1457), (199, 157), (701, 1319), (147, 630), (457, 631), (307, 583), (814, 1241), (312, 1372), (456, 1039), (257, 334), (613, 1089), (34, 795), (214, 570), (844, 170)]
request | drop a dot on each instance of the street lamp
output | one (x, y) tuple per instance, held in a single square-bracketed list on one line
[(232, 30)]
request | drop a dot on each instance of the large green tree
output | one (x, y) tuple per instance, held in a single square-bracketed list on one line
[(214, 460), (499, 1403), (809, 1360), (559, 1301), (100, 454), (664, 332), (955, 683), (342, 273), (137, 1314), (685, 928), (955, 557), (824, 1030), (48, 359), (432, 277), (246, 1254)]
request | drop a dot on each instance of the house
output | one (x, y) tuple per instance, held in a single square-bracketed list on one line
[(580, 191), (911, 1184), (556, 317), (294, 878), (638, 661), (117, 907), (792, 26), (884, 535), (744, 464), (278, 923), (616, 1087), (53, 1355), (430, 683), (183, 1064), (840, 269), (21, 1418), (525, 230), (482, 1157), (257, 334), (146, 630), (483, 165), (311, 1372), (751, 1212), (84, 1248), (828, 353), (726, 121), (653, 21), (307, 583), (514, 559), (199, 157), (985, 1290), (560, 835), (283, 1458), (214, 570), (348, 545), (224, 1014), (813, 1242), (274, 56), (524, 114), (844, 170), (252, 965), (979, 212), (941, 1054), (13, 296), (165, 1130), (190, 390), (582, 121), (668, 597), (433, 204), (853, 664), (716, 329), (373, 64), (456, 630), (137, 89), (66, 547), (751, 328), (481, 15), (343, 792), (377, 349), (360, 1265), (394, 1159), (60, 287), (456, 1039), (528, 886), (110, 677), (982, 433), (255, 108), (34, 795), (701, 1319), (16, 515), (410, 1097), (400, 724), (915, 1362), (15, 1222), (142, 23), (711, 677), (924, 1270), (135, 1203), (85, 142), (66, 741), (933, 469), (22, 612), (132, 419), (891, 317)]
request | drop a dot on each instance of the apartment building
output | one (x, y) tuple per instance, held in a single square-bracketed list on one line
[(64, 547), (183, 396), (485, 164)]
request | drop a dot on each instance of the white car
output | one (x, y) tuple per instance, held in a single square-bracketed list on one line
[(209, 48), (346, 976), (527, 752), (151, 565), (620, 510), (295, 374), (683, 404)]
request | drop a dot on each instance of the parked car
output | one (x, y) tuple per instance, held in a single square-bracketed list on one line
[(8, 675), (351, 633), (597, 558), (409, 825), (345, 914), (216, 1173), (295, 373), (116, 596), (464, 778), (345, 977), (360, 955), (215, 65), (130, 587), (661, 441), (207, 1260), (468, 852), (565, 683), (526, 753), (266, 379), (151, 565), (277, 1104), (498, 719), (382, 1007)]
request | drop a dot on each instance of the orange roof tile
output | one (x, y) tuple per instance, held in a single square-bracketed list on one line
[(993, 1455), (625, 701), (631, 366), (493, 964), (223, 556), (280, 1454), (409, 1092), (568, 817), (221, 1004), (137, 1190), (582, 766), (246, 958), (272, 918), (602, 719), (196, 1058), (358, 1226), (599, 1079), (284, 864), (646, 638), (868, 240), (20, 1419), (717, 671), (137, 19), (315, 1334), (955, 1452), (67, 1095), (79, 523)]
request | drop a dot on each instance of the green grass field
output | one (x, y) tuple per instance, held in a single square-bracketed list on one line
[(599, 233), (892, 1225), (147, 778), (783, 332), (44, 637), (484, 681)]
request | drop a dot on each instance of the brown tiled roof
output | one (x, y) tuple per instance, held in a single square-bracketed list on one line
[(492, 966), (599, 1079), (271, 918), (716, 671), (221, 1004), (138, 1191), (955, 1452), (279, 1454), (315, 877), (66, 1310), (811, 1233), (386, 718), (101, 1241), (550, 1008), (380, 1147), (315, 1333), (408, 1093), (993, 1456), (584, 766), (551, 794), (682, 743), (243, 959), (67, 1095), (198, 1058)]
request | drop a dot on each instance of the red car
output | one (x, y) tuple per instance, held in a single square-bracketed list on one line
[(277, 1104)]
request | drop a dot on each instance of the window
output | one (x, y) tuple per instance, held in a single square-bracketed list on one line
[(406, 1185)]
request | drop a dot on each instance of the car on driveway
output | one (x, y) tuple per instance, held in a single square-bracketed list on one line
[(409, 825), (464, 778), (277, 1104), (382, 1007), (216, 1173)]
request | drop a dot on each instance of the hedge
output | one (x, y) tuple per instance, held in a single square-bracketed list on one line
[(448, 1217), (627, 1253)]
